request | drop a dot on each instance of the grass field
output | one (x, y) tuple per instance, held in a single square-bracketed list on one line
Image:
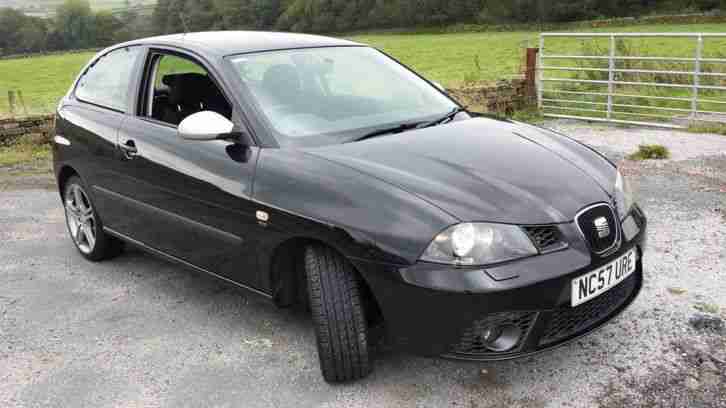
[(447, 58), (25, 151), (450, 58), (42, 80)]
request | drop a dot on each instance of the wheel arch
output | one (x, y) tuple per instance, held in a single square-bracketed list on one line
[(288, 281), (65, 173)]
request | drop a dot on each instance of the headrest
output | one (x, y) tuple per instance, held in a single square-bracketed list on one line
[(173, 79), (190, 88)]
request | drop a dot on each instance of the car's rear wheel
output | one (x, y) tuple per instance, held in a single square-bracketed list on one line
[(84, 224), (337, 305)]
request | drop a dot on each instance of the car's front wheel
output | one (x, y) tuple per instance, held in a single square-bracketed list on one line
[(337, 305), (84, 224)]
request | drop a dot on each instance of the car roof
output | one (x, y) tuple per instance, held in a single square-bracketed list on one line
[(223, 43)]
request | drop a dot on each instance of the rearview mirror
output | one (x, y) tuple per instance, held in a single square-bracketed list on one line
[(205, 125)]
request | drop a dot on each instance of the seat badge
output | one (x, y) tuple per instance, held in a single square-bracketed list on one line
[(263, 216), (602, 227)]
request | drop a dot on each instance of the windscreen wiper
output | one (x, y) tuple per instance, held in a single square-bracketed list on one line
[(395, 129), (446, 118), (410, 126)]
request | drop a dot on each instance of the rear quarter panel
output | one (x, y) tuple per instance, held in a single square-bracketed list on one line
[(91, 132)]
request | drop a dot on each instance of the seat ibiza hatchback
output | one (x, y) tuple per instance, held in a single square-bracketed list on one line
[(320, 172)]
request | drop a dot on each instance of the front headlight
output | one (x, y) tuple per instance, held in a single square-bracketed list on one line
[(624, 198), (479, 244)]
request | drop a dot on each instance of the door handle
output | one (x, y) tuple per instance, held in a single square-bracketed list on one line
[(129, 149)]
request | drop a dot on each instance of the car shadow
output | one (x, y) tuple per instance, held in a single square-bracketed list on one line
[(251, 320)]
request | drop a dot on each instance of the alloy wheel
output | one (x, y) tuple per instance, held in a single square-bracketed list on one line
[(80, 218)]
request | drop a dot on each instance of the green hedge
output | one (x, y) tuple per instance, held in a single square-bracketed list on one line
[(578, 25)]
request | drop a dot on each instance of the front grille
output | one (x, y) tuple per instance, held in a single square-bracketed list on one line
[(570, 321), (472, 343), (599, 227), (546, 238)]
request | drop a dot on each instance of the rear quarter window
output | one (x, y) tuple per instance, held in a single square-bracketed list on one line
[(106, 82)]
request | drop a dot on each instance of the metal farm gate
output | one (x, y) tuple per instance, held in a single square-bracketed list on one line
[(610, 80)]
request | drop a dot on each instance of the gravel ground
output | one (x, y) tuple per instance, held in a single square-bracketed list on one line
[(137, 331)]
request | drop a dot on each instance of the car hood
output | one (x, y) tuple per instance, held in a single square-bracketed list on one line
[(485, 170)]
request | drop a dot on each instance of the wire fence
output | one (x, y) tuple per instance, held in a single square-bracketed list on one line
[(15, 103)]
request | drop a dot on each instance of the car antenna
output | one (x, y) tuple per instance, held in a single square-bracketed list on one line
[(184, 23)]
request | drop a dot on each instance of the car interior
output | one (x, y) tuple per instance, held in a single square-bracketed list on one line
[(180, 94), (182, 88)]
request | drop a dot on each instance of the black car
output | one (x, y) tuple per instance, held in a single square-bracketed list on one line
[(322, 173)]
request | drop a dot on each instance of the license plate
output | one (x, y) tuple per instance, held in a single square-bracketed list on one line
[(599, 281)]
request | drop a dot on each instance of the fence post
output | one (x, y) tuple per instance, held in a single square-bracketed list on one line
[(22, 102), (530, 75), (540, 71), (696, 77), (11, 101), (611, 77)]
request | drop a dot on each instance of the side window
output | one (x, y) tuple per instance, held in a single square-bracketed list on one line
[(180, 87), (106, 83)]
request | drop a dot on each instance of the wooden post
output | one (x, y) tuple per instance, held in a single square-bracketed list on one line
[(530, 73), (22, 102), (11, 101), (611, 75)]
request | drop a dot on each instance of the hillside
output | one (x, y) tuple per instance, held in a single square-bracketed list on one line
[(47, 7)]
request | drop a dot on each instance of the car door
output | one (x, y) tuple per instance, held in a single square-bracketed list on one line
[(187, 199), (90, 117)]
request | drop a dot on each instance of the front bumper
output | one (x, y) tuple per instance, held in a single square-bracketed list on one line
[(437, 310)]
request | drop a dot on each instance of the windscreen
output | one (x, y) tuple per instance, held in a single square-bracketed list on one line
[(322, 96)]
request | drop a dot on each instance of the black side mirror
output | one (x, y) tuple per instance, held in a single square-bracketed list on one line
[(240, 153), (242, 138)]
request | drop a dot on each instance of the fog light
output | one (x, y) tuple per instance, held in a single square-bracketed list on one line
[(501, 338)]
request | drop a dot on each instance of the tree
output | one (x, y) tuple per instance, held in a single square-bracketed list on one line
[(74, 21), (177, 20), (10, 23), (200, 15), (133, 25), (159, 16), (76, 26), (266, 11), (106, 27), (236, 14), (54, 41), (346, 15), (32, 36), (20, 33)]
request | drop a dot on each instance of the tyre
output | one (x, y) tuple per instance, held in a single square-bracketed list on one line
[(338, 311), (84, 224)]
